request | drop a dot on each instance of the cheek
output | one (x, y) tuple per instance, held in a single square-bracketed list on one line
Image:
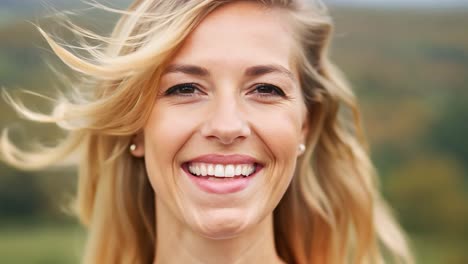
[(165, 133), (280, 130), (280, 133)]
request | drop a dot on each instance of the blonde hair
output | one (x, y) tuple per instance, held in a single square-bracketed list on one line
[(331, 213)]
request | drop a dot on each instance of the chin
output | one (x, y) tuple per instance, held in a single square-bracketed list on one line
[(223, 225)]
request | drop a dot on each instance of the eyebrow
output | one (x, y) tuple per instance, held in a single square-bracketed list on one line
[(187, 69), (259, 70), (252, 71)]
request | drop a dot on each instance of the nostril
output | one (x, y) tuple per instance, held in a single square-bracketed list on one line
[(225, 129)]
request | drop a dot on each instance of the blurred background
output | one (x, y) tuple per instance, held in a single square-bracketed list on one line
[(407, 61)]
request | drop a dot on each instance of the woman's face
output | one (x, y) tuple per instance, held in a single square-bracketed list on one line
[(221, 143)]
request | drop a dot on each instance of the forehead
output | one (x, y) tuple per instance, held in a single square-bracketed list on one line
[(239, 33)]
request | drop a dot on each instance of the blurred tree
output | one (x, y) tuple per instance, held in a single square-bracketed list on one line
[(21, 196), (429, 196), (449, 133)]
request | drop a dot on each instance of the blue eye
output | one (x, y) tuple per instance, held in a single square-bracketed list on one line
[(265, 89), (184, 89)]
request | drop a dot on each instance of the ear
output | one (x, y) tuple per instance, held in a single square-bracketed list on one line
[(303, 137), (305, 128), (139, 141)]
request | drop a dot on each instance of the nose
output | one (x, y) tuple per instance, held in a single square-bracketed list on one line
[(225, 123)]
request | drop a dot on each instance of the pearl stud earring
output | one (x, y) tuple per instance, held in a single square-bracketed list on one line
[(133, 147), (302, 148)]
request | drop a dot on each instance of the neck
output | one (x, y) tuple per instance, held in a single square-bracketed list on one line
[(177, 243)]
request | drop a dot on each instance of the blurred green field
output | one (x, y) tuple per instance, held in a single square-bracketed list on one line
[(40, 244), (434, 250)]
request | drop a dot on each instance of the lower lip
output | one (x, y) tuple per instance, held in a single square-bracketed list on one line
[(221, 186)]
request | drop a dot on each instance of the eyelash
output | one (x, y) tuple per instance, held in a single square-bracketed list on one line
[(175, 90), (277, 91)]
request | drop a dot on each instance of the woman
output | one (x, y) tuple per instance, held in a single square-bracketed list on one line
[(209, 133)]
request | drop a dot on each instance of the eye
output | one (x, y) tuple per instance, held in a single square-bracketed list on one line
[(266, 90), (184, 89)]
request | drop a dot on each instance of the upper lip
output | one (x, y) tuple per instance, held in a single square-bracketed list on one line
[(224, 159)]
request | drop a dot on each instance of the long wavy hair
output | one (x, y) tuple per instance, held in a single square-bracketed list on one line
[(332, 212)]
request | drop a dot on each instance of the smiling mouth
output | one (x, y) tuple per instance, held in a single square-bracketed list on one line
[(221, 171)]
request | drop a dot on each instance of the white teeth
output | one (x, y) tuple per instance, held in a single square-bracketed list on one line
[(203, 170), (247, 170), (221, 171), (244, 170), (229, 171), (210, 170), (238, 170)]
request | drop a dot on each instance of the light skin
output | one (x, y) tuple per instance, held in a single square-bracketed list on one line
[(241, 96)]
